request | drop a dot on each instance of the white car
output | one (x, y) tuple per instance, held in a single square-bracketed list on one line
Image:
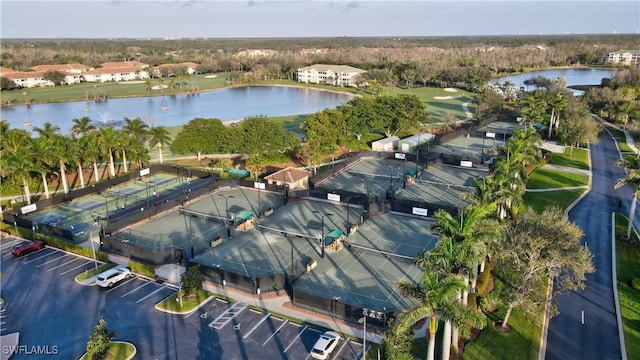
[(110, 277), (325, 345)]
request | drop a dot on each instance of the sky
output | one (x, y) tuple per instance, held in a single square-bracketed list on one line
[(312, 18)]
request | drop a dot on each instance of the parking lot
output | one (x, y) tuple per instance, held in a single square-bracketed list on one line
[(49, 309)]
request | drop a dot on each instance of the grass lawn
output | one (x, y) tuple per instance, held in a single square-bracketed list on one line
[(118, 351), (89, 273), (579, 159), (628, 267), (171, 304), (562, 199), (522, 342), (547, 179), (618, 135)]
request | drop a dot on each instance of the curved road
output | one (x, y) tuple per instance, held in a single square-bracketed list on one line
[(587, 326)]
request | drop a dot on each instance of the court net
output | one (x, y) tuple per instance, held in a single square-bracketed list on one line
[(445, 185), (376, 252), (198, 214), (286, 232), (375, 176)]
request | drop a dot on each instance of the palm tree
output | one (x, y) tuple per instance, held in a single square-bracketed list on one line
[(20, 165), (135, 128), (255, 165), (47, 131), (44, 158), (4, 126), (76, 156), (632, 166), (558, 101), (159, 136), (82, 126), (435, 294), (626, 108), (61, 153), (91, 146), (107, 141)]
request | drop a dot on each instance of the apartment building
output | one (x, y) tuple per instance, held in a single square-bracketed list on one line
[(623, 57), (339, 75)]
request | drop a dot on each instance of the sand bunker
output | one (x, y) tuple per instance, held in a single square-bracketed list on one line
[(131, 82), (158, 87), (211, 76), (449, 97), (451, 90)]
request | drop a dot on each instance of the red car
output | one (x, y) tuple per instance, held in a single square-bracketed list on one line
[(27, 247)]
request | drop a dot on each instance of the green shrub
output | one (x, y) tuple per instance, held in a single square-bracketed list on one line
[(635, 283), (60, 244), (142, 269)]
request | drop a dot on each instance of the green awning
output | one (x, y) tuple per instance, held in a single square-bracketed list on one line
[(335, 234), (410, 172), (244, 215)]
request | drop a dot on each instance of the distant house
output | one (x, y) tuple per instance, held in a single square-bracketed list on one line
[(117, 71), (170, 69), (297, 179), (340, 75), (28, 79), (623, 57)]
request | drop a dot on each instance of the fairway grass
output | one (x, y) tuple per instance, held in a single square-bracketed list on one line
[(438, 107)]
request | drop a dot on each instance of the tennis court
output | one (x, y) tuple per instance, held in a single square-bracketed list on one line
[(502, 128)]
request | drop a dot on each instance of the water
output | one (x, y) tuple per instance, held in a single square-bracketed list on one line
[(573, 77), (225, 104)]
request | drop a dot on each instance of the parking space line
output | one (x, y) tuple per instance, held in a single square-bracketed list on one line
[(40, 257), (255, 326), (163, 287), (295, 339), (52, 260), (9, 244), (79, 266), (342, 347), (61, 265), (121, 284), (275, 332), (136, 289)]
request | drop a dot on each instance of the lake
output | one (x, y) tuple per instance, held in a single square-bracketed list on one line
[(224, 104), (584, 76)]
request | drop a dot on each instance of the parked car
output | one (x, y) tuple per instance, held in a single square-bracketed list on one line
[(112, 276), (325, 345), (26, 248)]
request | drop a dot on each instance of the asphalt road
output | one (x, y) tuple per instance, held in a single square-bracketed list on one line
[(587, 326)]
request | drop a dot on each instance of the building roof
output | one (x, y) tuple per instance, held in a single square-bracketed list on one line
[(119, 64), (113, 70), (387, 140), (333, 68), (288, 175), (13, 75), (4, 70), (62, 67)]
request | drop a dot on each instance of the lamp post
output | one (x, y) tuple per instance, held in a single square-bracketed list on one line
[(93, 249), (33, 230), (259, 185), (106, 206), (226, 203), (146, 186), (363, 319), (322, 216)]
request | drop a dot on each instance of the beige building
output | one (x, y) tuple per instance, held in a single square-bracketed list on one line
[(117, 71), (623, 57), (340, 75), (297, 179)]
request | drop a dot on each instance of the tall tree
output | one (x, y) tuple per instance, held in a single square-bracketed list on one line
[(435, 294), (107, 142), (60, 148), (159, 137), (632, 167), (537, 247), (82, 126), (43, 160)]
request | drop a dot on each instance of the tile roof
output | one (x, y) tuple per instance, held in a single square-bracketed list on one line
[(288, 175), (61, 67), (333, 68), (124, 63)]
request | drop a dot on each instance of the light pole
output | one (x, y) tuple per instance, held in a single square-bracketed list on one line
[(93, 249), (322, 216), (363, 319), (259, 185), (33, 229), (106, 206), (226, 203), (146, 185)]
